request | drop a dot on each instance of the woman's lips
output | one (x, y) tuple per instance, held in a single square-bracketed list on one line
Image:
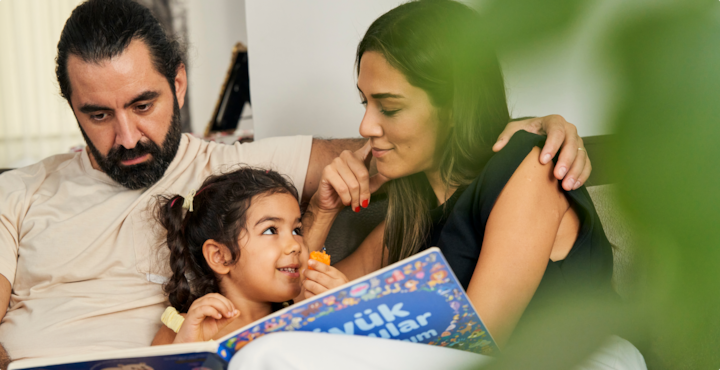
[(137, 160), (378, 153)]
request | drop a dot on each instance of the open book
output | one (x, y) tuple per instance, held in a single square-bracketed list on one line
[(417, 299)]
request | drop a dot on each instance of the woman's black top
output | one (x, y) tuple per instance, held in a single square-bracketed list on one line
[(458, 228)]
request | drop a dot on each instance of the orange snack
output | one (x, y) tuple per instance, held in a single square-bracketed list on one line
[(320, 257)]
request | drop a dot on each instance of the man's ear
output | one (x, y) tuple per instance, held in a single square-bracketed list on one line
[(181, 85), (217, 256)]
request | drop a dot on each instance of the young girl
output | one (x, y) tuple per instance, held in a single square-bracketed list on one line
[(236, 253)]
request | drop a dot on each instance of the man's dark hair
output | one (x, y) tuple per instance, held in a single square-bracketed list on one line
[(101, 29)]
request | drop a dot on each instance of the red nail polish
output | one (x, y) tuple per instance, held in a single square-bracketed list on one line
[(365, 203), (357, 209)]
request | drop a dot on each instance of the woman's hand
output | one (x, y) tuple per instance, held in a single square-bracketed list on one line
[(205, 318), (322, 278), (346, 181), (560, 133)]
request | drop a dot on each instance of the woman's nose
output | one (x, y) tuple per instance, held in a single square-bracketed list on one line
[(369, 126)]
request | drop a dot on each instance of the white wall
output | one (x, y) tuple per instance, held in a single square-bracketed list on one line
[(214, 26), (301, 56), (302, 81)]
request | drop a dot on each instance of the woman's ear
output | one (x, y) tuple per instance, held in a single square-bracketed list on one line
[(217, 256)]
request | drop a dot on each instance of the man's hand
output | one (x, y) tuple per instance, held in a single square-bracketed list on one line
[(560, 133)]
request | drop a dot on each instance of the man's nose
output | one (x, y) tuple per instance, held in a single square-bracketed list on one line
[(127, 133), (369, 126)]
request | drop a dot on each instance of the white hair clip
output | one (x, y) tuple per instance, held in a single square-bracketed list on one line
[(188, 201)]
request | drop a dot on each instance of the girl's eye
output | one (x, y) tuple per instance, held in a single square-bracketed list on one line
[(270, 231), (297, 231)]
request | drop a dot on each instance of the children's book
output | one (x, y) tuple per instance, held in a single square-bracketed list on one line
[(417, 299)]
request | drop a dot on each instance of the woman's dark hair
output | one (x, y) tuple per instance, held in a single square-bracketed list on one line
[(101, 29), (438, 46), (219, 209)]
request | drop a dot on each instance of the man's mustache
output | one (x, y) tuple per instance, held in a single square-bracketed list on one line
[(121, 153)]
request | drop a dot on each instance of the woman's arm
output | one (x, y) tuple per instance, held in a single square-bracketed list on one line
[(366, 258), (519, 238)]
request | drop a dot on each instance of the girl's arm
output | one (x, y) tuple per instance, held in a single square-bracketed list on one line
[(364, 260), (163, 336), (519, 238)]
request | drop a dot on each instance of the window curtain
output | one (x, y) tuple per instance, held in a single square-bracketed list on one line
[(35, 121)]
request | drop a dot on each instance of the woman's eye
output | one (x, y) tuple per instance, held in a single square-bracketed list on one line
[(297, 231), (270, 231), (389, 113)]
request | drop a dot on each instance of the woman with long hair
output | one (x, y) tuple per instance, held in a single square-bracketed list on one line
[(435, 101)]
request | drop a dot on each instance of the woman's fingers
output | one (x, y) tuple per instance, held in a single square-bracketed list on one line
[(362, 176), (344, 165), (331, 175)]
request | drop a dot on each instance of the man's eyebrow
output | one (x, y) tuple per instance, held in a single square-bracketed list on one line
[(147, 95), (89, 108)]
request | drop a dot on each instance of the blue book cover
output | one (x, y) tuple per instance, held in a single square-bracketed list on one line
[(418, 300)]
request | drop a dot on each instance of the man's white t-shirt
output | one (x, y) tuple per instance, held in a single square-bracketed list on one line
[(85, 256)]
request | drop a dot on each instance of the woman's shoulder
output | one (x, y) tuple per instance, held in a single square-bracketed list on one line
[(503, 164)]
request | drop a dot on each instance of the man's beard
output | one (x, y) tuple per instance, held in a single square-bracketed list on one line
[(144, 174)]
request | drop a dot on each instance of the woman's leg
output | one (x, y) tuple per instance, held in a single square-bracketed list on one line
[(318, 351), (615, 354)]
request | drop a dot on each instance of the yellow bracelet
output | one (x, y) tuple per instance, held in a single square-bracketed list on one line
[(172, 319)]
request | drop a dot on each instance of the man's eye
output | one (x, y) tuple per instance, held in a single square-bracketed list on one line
[(98, 117), (297, 231), (143, 107), (364, 102), (270, 231)]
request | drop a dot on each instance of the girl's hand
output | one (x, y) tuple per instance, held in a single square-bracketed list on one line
[(346, 181), (322, 278), (205, 318)]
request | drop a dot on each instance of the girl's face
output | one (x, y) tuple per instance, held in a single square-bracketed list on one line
[(399, 119), (273, 256)]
